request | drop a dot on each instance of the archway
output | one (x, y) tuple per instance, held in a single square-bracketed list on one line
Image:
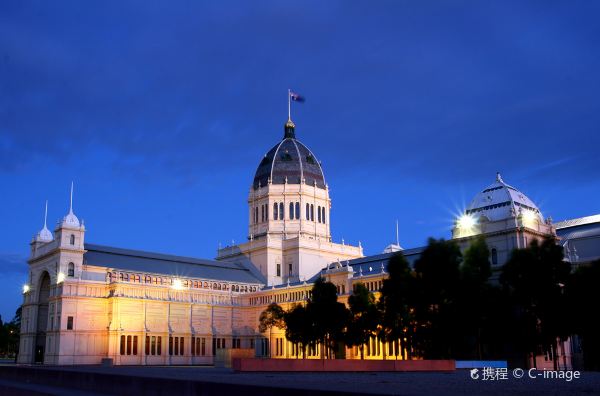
[(42, 318)]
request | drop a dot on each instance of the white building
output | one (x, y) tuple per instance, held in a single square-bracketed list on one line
[(84, 303)]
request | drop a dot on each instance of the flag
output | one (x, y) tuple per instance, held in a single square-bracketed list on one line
[(296, 97)]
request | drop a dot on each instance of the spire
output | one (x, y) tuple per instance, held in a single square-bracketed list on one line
[(70, 219), (397, 238), (45, 235)]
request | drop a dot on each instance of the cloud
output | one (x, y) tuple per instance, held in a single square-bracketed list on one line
[(13, 264)]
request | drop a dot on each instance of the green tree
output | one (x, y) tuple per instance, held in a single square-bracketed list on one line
[(330, 317), (271, 317), (396, 304), (534, 279), (473, 298), (364, 318), (582, 293), (437, 275), (299, 327)]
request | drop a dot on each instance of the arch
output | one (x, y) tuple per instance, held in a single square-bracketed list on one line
[(297, 210), (291, 217), (42, 317), (319, 214), (323, 215), (307, 211), (275, 206), (71, 270), (312, 212), (280, 210)]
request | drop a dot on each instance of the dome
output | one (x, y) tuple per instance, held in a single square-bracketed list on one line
[(289, 161), (500, 201)]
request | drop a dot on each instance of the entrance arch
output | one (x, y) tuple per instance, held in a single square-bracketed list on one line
[(42, 318)]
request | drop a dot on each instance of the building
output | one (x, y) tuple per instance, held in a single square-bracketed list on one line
[(84, 303)]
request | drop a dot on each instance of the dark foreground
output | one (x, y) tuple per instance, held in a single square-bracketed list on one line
[(130, 381)]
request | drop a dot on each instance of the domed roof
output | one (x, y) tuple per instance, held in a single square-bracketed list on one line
[(289, 161), (500, 201)]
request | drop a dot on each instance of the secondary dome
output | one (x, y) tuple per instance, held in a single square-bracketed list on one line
[(289, 161), (500, 201)]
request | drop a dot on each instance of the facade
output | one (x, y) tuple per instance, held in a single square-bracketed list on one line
[(84, 303)]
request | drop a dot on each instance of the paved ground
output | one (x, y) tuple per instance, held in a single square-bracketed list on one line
[(421, 384)]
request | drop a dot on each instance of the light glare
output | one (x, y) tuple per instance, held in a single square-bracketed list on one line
[(60, 278), (177, 284), (25, 288), (466, 222)]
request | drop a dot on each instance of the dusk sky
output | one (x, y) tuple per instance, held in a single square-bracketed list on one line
[(160, 113)]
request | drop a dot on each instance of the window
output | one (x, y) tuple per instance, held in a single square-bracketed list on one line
[(297, 210), (275, 211), (151, 345), (280, 210), (198, 346), (323, 215), (262, 213), (266, 212), (307, 211), (290, 269), (319, 214), (312, 212), (72, 239), (291, 211), (71, 270), (69, 323), (176, 346), (128, 345), (278, 269), (494, 256)]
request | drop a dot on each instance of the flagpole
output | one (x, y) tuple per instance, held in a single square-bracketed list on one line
[(289, 105)]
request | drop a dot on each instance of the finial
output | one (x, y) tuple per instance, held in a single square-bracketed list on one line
[(499, 178), (45, 235), (70, 219), (71, 200)]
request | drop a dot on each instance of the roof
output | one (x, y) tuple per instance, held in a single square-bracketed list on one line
[(499, 200), (158, 263), (580, 238), (577, 222), (289, 161)]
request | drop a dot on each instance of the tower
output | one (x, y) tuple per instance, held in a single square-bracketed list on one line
[(289, 236)]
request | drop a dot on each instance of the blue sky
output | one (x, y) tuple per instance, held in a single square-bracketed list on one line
[(161, 111)]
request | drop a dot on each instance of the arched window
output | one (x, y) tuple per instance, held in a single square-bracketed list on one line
[(266, 212), (494, 256), (291, 211), (319, 214), (275, 211), (323, 215), (312, 212), (256, 214), (72, 239), (307, 211), (297, 210), (147, 279), (280, 210), (71, 270), (108, 277)]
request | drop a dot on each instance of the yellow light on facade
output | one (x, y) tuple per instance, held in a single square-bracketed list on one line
[(177, 284), (25, 288), (466, 222), (529, 216), (60, 278)]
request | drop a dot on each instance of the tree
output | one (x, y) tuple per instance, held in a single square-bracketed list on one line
[(271, 317), (364, 318), (582, 293), (437, 275), (299, 327), (472, 299), (534, 279), (396, 304), (329, 316)]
